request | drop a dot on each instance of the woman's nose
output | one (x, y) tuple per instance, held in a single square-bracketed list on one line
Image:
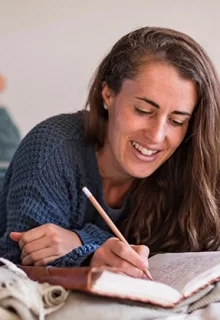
[(156, 131)]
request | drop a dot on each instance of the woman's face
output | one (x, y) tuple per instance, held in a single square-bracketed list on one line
[(148, 120)]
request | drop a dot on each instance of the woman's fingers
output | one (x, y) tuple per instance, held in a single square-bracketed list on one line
[(44, 262), (49, 236), (40, 257), (15, 236), (103, 258), (143, 252), (117, 254), (33, 246), (126, 252)]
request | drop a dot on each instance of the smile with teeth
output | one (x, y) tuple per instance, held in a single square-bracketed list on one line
[(144, 151)]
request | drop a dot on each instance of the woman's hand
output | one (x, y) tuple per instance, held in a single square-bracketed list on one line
[(45, 244), (131, 260)]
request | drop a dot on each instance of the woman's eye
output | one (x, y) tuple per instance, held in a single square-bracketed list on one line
[(142, 112), (176, 123)]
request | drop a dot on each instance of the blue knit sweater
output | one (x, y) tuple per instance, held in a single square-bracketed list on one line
[(44, 185)]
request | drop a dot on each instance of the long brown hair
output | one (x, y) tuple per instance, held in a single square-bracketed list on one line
[(177, 207)]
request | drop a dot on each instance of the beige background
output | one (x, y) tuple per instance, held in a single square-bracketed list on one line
[(49, 48)]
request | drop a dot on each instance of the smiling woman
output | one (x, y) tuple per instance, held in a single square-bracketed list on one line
[(147, 148), (144, 128)]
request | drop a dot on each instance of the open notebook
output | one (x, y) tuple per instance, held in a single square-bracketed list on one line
[(177, 276)]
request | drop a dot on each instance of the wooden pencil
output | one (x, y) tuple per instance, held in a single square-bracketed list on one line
[(109, 222)]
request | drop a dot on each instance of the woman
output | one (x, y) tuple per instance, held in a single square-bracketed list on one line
[(148, 151)]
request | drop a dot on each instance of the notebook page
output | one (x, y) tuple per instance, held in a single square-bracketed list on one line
[(125, 287), (177, 269)]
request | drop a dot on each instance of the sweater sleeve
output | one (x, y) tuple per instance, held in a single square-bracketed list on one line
[(92, 237), (46, 197)]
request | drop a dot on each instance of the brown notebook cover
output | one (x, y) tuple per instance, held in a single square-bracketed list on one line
[(69, 278)]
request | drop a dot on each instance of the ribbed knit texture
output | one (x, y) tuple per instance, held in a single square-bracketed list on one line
[(44, 185)]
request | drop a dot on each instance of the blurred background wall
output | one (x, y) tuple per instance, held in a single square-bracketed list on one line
[(50, 48)]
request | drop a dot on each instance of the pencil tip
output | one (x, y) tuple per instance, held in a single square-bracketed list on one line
[(147, 272)]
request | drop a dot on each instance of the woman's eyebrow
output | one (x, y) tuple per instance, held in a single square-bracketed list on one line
[(156, 105)]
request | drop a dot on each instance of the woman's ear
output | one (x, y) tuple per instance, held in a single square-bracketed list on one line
[(107, 95)]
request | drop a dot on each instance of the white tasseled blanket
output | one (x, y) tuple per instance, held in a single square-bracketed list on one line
[(22, 298)]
